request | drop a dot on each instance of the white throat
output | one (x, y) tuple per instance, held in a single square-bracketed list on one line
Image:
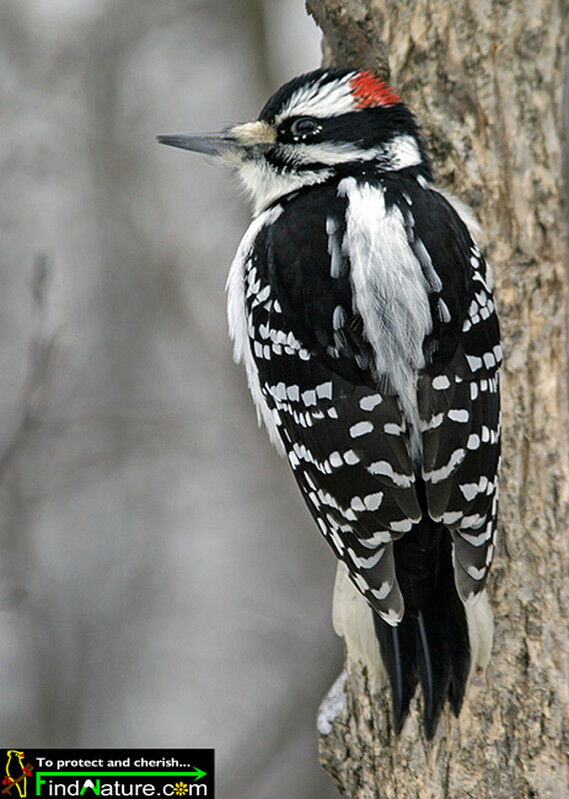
[(264, 185)]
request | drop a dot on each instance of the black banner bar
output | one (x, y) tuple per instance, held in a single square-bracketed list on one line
[(89, 773)]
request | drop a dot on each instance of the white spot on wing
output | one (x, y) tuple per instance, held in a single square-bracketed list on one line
[(471, 490), (473, 441), (393, 429), (441, 382), (309, 397), (373, 501), (392, 617), (324, 390), (381, 537), (336, 460), (369, 402), (451, 516), (437, 475), (402, 526), (386, 469), (356, 503), (293, 393), (360, 429), (383, 591), (476, 574), (366, 563), (458, 415), (477, 540)]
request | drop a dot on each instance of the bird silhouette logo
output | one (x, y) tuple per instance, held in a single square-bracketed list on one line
[(16, 773)]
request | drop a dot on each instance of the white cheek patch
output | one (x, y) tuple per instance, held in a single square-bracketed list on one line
[(265, 184)]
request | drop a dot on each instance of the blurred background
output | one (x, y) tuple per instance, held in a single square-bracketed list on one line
[(161, 582)]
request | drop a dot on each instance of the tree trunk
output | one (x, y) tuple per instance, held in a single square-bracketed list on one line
[(485, 81)]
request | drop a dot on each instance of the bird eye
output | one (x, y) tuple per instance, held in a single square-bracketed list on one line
[(304, 126)]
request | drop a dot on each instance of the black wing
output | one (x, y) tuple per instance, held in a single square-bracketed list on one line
[(346, 441)]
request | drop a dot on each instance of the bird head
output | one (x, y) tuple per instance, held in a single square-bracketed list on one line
[(325, 125)]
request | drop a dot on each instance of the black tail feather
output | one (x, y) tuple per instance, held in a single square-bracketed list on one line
[(425, 667), (430, 644), (398, 689), (398, 652)]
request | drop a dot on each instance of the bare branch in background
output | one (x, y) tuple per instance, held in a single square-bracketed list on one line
[(39, 353)]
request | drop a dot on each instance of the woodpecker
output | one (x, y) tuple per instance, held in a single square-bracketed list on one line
[(362, 309)]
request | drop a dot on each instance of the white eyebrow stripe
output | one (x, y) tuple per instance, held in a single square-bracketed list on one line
[(334, 99)]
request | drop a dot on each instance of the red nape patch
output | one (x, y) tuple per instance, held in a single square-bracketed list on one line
[(369, 90)]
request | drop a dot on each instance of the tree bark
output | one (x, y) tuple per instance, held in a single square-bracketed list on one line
[(485, 81)]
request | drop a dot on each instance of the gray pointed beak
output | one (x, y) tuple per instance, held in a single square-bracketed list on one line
[(220, 144), (234, 145)]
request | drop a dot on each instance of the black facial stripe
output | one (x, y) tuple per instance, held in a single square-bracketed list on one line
[(369, 170), (287, 164), (283, 163), (366, 128)]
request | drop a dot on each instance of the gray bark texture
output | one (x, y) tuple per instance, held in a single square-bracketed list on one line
[(485, 81)]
